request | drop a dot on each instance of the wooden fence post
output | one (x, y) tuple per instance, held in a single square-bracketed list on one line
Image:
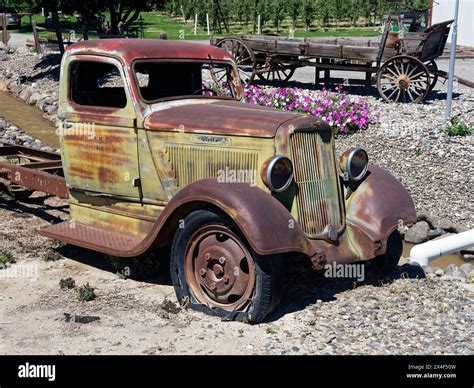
[(4, 28), (38, 47)]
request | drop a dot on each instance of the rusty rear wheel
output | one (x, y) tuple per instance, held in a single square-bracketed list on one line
[(214, 270)]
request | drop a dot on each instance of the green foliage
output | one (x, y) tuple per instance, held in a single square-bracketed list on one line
[(302, 13), (6, 258), (86, 293), (170, 307), (67, 283), (457, 128), (270, 330)]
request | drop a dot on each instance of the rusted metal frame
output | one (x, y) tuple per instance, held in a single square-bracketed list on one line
[(27, 152), (37, 180), (48, 165)]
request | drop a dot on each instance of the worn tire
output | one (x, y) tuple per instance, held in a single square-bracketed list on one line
[(268, 270), (385, 264)]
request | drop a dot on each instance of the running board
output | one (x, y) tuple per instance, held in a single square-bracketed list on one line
[(92, 237)]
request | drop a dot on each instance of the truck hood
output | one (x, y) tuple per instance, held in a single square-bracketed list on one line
[(221, 117)]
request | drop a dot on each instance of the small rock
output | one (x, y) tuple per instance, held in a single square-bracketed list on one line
[(429, 269), (466, 269), (439, 272), (34, 98), (435, 233), (452, 270), (418, 233)]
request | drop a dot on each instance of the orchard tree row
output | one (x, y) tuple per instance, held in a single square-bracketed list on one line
[(224, 14)]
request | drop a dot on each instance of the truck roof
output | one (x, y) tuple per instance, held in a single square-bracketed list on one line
[(130, 49)]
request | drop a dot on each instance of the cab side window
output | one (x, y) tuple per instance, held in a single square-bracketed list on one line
[(97, 84)]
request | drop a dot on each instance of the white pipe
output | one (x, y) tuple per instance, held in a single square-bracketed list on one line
[(207, 22), (430, 250), (195, 23)]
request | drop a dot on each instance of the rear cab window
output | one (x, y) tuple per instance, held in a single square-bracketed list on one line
[(162, 80)]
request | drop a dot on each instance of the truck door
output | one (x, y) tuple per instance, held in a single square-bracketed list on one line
[(98, 137)]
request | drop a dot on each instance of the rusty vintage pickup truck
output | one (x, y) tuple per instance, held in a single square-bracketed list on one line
[(158, 151)]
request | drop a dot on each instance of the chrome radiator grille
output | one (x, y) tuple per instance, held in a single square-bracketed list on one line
[(318, 198)]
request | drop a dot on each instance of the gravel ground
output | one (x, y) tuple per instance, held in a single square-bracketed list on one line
[(317, 315)]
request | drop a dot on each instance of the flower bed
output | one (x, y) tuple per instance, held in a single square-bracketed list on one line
[(344, 114)]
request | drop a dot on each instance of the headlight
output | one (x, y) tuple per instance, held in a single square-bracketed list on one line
[(277, 173), (354, 163)]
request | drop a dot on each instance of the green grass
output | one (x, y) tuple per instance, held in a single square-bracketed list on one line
[(458, 128), (155, 23), (270, 330), (6, 258), (67, 283), (86, 293)]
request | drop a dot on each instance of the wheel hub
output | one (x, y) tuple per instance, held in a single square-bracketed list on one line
[(403, 82), (218, 268)]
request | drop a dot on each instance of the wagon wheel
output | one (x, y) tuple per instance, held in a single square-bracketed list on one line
[(403, 79), (432, 68), (277, 72), (243, 55)]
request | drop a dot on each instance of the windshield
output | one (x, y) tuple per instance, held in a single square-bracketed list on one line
[(159, 80)]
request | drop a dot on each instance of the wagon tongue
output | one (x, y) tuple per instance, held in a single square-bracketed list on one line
[(218, 118)]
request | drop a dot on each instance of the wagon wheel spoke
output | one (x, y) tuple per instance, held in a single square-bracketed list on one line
[(244, 58)]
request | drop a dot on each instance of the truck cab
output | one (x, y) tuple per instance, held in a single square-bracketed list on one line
[(159, 150)]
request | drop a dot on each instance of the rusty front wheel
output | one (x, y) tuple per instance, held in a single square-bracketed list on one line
[(385, 264), (215, 271)]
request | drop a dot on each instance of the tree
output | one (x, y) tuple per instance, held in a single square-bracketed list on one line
[(324, 12), (308, 13), (123, 13), (279, 8), (294, 9)]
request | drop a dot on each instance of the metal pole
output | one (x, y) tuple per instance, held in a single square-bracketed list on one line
[(195, 23), (452, 60), (258, 25), (207, 22)]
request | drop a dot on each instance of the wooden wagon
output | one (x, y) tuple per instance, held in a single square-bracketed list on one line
[(401, 64)]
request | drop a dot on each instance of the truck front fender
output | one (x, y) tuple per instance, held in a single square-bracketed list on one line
[(378, 206), (266, 224)]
